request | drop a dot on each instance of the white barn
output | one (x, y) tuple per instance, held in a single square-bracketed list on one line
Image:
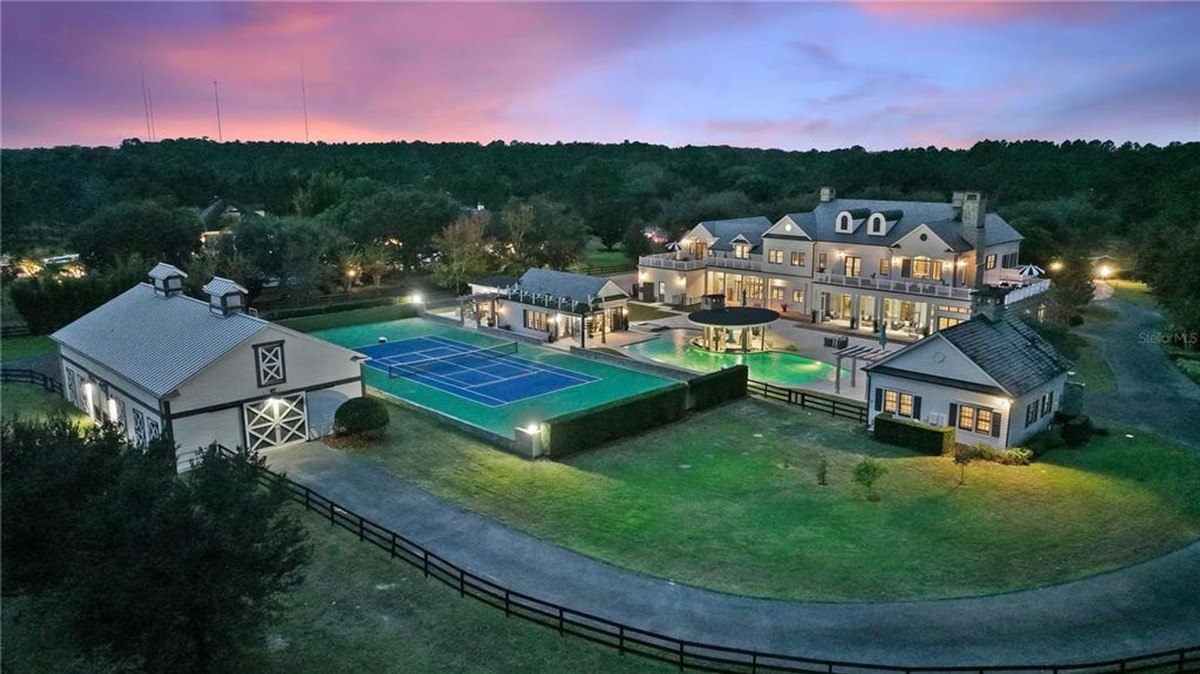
[(993, 379), (157, 362)]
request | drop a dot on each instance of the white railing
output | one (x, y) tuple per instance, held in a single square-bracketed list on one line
[(1025, 292), (909, 287), (668, 261), (734, 263)]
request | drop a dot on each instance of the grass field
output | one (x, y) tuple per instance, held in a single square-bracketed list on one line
[(728, 500), (357, 611), (20, 347), (1134, 292), (1087, 363), (29, 401), (597, 256), (645, 312)]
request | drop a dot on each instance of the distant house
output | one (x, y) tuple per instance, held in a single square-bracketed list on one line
[(159, 363), (561, 305), (992, 378), (221, 211)]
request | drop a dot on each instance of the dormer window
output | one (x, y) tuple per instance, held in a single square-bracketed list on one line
[(741, 251), (845, 223), (877, 226)]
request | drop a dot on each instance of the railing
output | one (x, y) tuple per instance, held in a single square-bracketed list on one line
[(655, 646), (10, 331), (24, 376), (668, 261), (838, 407), (911, 287), (608, 270), (1025, 292)]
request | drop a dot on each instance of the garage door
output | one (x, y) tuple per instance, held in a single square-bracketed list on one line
[(276, 421)]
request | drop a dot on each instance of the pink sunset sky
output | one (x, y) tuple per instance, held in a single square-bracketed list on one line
[(792, 76)]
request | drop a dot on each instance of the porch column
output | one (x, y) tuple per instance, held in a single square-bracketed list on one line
[(604, 326), (854, 304), (879, 317), (762, 343), (837, 376), (583, 331)]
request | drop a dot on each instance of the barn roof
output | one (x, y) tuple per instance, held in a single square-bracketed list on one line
[(575, 287), (156, 342)]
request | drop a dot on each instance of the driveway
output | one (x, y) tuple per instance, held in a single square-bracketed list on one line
[(1143, 608), (1151, 393)]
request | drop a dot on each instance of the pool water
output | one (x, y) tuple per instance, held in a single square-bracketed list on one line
[(673, 347)]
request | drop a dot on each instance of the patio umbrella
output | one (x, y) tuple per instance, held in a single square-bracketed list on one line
[(1030, 271), (674, 246), (883, 335)]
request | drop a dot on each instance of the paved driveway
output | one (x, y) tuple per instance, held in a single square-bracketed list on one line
[(1148, 607)]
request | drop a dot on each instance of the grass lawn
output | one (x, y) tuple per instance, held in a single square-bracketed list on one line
[(1134, 292), (20, 347), (728, 500), (339, 319), (358, 611), (27, 400), (645, 312), (1088, 363)]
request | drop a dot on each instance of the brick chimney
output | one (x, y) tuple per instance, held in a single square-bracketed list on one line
[(828, 194)]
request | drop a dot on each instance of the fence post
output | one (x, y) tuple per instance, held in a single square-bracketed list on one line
[(681, 656), (361, 528), (462, 583), (332, 519), (560, 621), (621, 639), (425, 559), (392, 548)]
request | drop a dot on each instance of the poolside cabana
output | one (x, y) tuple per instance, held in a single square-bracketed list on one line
[(731, 328)]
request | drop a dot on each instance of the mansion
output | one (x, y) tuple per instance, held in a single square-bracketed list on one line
[(859, 264)]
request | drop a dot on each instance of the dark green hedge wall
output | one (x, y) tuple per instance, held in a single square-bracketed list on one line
[(936, 440), (714, 388), (574, 431)]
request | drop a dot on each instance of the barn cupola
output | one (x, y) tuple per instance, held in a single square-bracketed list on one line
[(166, 279), (225, 297)]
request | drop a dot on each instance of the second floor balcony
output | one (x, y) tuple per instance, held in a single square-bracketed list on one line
[(925, 288), (689, 263)]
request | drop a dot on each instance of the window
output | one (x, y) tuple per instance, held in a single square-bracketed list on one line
[(900, 404), (537, 320), (270, 365), (891, 401), (1047, 403), (777, 292), (982, 420), (754, 287), (821, 259), (906, 405), (775, 256), (843, 222), (797, 296), (885, 266), (989, 262), (139, 426), (853, 266), (937, 269), (966, 417), (876, 225), (1031, 413), (797, 258), (920, 267), (741, 251)]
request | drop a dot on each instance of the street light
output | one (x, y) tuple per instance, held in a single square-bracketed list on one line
[(1057, 265), (1105, 271)]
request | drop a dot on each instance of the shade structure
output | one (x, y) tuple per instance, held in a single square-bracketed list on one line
[(1030, 270), (733, 328)]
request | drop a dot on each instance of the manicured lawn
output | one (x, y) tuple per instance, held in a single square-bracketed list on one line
[(597, 256), (27, 400), (20, 347), (339, 319), (1134, 292), (1088, 363), (358, 611), (728, 500), (645, 312)]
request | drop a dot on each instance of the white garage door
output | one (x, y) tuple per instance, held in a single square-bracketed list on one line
[(276, 421)]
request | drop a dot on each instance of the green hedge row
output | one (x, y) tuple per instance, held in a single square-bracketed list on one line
[(318, 309), (574, 431), (714, 388), (935, 440), (338, 317)]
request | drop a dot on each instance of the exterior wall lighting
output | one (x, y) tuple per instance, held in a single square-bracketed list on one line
[(533, 428), (112, 409)]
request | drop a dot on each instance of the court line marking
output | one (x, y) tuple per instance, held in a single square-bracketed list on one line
[(545, 367), (499, 402)]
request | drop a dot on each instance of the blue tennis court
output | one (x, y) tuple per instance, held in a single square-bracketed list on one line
[(491, 376)]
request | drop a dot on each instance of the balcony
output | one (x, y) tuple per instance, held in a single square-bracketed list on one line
[(668, 261), (1024, 292), (906, 286)]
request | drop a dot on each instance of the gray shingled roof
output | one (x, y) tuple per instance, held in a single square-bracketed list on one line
[(941, 217), (727, 230), (156, 342), (1009, 351), (576, 287)]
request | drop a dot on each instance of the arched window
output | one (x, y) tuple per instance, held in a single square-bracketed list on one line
[(876, 224), (844, 221)]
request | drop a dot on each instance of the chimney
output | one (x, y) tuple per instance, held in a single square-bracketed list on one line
[(989, 303), (974, 213), (225, 297), (828, 194), (166, 279)]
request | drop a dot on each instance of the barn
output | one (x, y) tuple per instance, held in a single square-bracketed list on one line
[(157, 362)]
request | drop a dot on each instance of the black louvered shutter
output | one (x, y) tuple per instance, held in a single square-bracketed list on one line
[(906, 268), (997, 420), (953, 420), (917, 407), (878, 399)]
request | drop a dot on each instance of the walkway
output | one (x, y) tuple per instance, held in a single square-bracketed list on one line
[(1148, 607), (1151, 393)]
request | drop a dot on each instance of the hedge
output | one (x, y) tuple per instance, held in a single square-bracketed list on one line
[(338, 317), (914, 435), (358, 416), (574, 431), (318, 309), (714, 388), (1013, 456)]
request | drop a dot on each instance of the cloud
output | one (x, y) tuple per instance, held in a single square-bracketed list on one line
[(987, 11)]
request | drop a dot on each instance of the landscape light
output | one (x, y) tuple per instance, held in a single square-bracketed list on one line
[(1057, 265), (1105, 271), (416, 298), (533, 428)]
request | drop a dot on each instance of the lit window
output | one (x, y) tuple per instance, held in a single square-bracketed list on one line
[(966, 418), (983, 422), (741, 251), (885, 266), (990, 261), (797, 296), (777, 292), (797, 259), (906, 405), (775, 256), (891, 401), (821, 259)]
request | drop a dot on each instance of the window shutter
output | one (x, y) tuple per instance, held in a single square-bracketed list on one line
[(997, 420), (917, 408), (906, 268), (878, 399), (953, 415)]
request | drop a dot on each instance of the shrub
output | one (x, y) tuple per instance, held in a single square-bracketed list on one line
[(1077, 431), (1013, 456), (1044, 441), (714, 388), (360, 416), (914, 435), (574, 431), (867, 472), (963, 456)]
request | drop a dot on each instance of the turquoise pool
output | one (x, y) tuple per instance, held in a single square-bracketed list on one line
[(673, 347)]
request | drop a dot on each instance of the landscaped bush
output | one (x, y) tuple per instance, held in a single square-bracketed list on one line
[(1013, 456), (363, 416), (1044, 441), (1077, 431), (714, 388), (574, 431), (914, 435), (317, 310)]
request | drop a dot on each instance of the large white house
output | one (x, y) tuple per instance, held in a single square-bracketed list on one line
[(992, 378), (856, 263), (157, 362)]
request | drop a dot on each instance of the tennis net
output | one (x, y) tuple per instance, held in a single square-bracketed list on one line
[(440, 365)]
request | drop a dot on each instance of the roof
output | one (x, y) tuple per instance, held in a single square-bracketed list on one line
[(222, 286), (1007, 349), (163, 270), (726, 230), (499, 281), (211, 215), (734, 316), (156, 342), (579, 288), (941, 217)]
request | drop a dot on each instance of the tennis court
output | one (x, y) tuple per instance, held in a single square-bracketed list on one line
[(507, 384), (490, 375)]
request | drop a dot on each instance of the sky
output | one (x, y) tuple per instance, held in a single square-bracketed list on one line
[(774, 75)]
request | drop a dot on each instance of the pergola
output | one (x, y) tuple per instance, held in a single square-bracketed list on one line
[(870, 354), (742, 321)]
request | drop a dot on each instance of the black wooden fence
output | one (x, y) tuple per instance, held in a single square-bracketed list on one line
[(23, 376), (663, 648), (838, 407)]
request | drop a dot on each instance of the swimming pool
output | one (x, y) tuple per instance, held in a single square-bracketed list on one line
[(673, 347)]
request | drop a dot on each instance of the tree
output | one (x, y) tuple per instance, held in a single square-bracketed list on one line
[(635, 243), (405, 217), (1070, 290), (349, 267), (867, 472), (540, 232), (155, 230), (225, 262), (375, 260), (297, 252), (963, 456), (363, 416), (320, 193), (464, 251)]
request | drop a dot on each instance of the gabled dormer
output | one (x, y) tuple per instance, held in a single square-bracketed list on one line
[(166, 279), (741, 247), (880, 223), (787, 228), (849, 221), (225, 297)]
